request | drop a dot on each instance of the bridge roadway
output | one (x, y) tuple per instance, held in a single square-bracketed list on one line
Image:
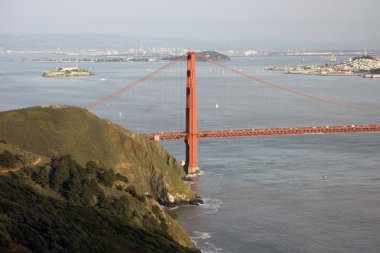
[(241, 133)]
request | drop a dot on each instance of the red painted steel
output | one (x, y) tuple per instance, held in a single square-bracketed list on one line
[(242, 133), (191, 138)]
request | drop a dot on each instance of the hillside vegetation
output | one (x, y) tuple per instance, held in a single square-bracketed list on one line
[(60, 130), (64, 207), (72, 182)]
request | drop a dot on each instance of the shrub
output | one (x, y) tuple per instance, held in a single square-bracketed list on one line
[(71, 180), (106, 177), (41, 176), (132, 190), (141, 198), (121, 178), (60, 171), (7, 159), (92, 167)]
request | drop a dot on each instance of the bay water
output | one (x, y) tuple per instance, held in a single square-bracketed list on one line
[(316, 193)]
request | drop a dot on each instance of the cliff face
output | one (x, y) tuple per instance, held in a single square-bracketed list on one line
[(143, 172), (61, 130)]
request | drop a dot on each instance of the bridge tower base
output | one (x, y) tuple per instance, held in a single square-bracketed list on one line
[(191, 140)]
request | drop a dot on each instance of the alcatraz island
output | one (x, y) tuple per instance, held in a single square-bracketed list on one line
[(72, 71)]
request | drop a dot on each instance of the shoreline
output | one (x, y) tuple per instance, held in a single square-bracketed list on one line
[(322, 74), (365, 66)]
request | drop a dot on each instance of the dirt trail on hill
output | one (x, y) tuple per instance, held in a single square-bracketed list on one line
[(7, 170), (37, 161)]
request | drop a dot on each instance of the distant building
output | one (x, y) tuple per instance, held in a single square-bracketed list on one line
[(250, 52)]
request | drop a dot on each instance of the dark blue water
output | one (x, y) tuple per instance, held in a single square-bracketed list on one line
[(317, 193), (269, 195)]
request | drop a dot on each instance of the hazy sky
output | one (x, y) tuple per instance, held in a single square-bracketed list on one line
[(300, 20)]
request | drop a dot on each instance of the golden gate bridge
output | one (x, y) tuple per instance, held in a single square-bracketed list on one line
[(191, 135)]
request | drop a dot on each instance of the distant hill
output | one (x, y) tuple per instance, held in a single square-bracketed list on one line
[(202, 56), (212, 55), (77, 42)]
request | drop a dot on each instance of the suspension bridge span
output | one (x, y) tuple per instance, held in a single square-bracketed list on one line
[(191, 135), (241, 133)]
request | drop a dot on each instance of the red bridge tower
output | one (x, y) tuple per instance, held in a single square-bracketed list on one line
[(191, 139)]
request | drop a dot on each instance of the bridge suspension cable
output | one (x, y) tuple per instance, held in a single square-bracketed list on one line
[(135, 83), (299, 93)]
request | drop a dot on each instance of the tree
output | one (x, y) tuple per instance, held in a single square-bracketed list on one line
[(107, 177), (7, 159), (41, 176), (60, 171)]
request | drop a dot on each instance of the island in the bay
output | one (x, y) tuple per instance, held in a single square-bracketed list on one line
[(205, 56), (365, 66), (70, 71), (72, 182)]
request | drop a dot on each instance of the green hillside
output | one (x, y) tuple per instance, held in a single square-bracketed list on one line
[(59, 130), (66, 158)]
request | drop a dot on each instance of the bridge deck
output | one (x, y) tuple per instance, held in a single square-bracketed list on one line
[(241, 133)]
